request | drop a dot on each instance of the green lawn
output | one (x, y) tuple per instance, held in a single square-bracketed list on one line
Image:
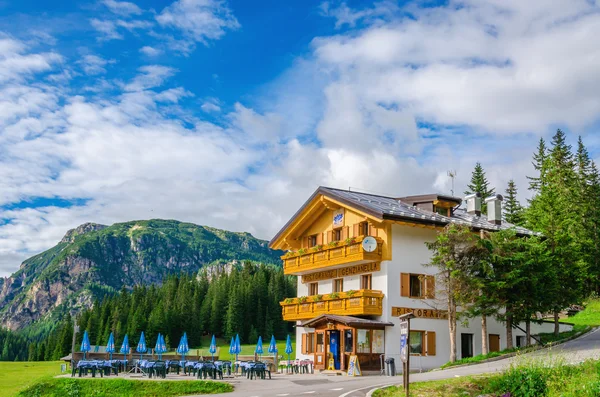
[(58, 387), (15, 376), (590, 316)]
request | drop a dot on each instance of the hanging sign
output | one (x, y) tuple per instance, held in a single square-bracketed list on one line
[(421, 313), (354, 367)]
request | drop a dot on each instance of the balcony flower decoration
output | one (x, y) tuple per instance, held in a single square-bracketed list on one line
[(301, 251), (350, 240), (288, 254), (289, 300), (351, 292), (317, 298), (334, 295), (317, 247), (302, 299), (332, 244)]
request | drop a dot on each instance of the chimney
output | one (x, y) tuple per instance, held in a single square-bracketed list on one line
[(473, 204), (494, 209)]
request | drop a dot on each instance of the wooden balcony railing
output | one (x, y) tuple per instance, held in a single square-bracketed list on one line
[(317, 258), (361, 302)]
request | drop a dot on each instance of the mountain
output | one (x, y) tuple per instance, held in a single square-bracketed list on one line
[(93, 260)]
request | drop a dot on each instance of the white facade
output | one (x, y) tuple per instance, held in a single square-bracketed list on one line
[(409, 254)]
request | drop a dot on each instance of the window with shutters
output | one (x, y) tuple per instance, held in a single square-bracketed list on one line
[(363, 228), (338, 285), (312, 241), (310, 343), (422, 343), (418, 286), (366, 281), (415, 286), (313, 288)]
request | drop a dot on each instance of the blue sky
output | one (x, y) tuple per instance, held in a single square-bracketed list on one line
[(230, 113)]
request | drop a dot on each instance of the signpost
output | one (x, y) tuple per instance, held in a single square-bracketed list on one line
[(405, 349)]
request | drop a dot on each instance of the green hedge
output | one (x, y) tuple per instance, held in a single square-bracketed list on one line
[(60, 387)]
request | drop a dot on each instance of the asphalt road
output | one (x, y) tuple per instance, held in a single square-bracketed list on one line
[(577, 350)]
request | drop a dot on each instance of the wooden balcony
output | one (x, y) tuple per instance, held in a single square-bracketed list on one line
[(317, 258), (358, 303)]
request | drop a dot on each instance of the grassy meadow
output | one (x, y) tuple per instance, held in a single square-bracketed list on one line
[(15, 376)]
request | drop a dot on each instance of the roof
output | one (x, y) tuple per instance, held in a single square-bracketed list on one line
[(346, 320), (390, 208)]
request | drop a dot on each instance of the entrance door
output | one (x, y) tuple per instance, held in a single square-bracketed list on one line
[(334, 347), (494, 345), (320, 350), (466, 345)]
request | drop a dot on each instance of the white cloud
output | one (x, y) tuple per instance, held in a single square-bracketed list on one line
[(199, 20), (344, 15), (123, 8), (93, 64), (14, 64), (150, 76), (150, 51), (211, 105), (108, 28)]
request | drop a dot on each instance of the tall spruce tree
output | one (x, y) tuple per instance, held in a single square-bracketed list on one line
[(480, 184), (539, 161), (555, 212), (513, 211)]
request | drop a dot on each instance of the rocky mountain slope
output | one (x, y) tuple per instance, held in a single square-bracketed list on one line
[(92, 260)]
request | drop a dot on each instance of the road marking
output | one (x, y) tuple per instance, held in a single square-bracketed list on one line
[(337, 389), (308, 392), (283, 395)]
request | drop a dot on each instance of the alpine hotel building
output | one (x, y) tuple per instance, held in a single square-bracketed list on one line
[(350, 294)]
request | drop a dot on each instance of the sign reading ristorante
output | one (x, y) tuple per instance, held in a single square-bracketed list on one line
[(422, 313), (343, 272)]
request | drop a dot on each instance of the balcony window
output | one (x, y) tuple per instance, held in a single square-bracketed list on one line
[(313, 288), (338, 285), (312, 241), (363, 229), (337, 234), (366, 281)]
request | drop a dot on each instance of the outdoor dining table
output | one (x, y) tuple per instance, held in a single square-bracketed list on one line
[(102, 366)]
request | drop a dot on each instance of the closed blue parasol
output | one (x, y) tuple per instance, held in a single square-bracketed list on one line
[(110, 346), (238, 346), (273, 345), (288, 347), (85, 344), (161, 346), (183, 347), (259, 347), (213, 347), (125, 346), (141, 347), (232, 346)]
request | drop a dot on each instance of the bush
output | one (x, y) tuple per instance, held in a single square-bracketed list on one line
[(521, 381)]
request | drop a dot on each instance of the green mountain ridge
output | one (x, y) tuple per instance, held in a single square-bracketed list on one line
[(92, 260)]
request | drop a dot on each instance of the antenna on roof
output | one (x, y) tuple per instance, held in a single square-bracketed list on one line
[(452, 175)]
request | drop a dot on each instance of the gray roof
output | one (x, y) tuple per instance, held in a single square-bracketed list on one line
[(392, 208), (347, 320)]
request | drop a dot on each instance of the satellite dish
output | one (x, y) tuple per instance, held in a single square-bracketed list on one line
[(369, 244)]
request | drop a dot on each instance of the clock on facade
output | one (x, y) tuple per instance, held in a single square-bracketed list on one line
[(369, 244)]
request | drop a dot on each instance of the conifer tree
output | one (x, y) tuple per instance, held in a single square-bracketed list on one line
[(480, 184), (539, 161), (513, 212)]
